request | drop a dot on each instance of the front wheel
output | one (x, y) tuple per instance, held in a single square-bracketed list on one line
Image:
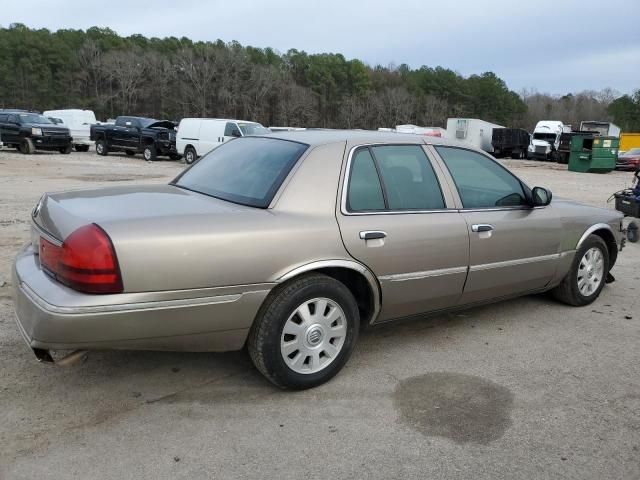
[(101, 147), (149, 153), (66, 150), (27, 147), (588, 274), (305, 332)]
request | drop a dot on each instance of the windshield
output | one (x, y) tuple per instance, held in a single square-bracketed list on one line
[(253, 129), (248, 171), (633, 151), (549, 137), (33, 118)]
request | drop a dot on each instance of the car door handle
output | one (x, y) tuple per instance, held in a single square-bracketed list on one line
[(372, 235), (481, 227)]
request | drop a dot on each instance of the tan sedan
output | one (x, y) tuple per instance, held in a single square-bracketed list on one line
[(292, 243)]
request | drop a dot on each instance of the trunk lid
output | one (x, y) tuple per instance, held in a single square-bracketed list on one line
[(59, 214)]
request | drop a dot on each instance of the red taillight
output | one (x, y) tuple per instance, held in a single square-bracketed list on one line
[(86, 261)]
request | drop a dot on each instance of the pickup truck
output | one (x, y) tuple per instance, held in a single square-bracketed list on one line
[(30, 131), (133, 135)]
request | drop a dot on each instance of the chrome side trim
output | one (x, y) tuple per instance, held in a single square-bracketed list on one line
[(591, 229), (403, 277), (124, 307), (352, 265), (511, 263)]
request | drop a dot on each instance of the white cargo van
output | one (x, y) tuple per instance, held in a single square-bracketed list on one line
[(198, 136), (475, 132), (78, 122)]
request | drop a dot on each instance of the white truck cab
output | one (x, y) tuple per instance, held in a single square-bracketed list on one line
[(546, 139), (78, 122), (198, 136)]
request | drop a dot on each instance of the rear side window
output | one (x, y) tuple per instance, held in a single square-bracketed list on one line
[(247, 170), (481, 182), (393, 177), (365, 191)]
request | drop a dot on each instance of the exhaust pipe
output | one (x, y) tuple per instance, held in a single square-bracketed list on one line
[(77, 356)]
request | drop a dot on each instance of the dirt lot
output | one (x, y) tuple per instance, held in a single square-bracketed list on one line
[(524, 389)]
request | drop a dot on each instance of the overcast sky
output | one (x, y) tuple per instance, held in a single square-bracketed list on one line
[(552, 46)]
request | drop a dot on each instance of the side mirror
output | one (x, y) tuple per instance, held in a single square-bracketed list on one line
[(236, 133), (541, 197)]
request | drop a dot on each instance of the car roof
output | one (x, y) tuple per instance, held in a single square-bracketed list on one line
[(321, 137)]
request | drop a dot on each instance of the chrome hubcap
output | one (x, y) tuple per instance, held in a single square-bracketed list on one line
[(313, 335), (99, 148), (147, 154), (590, 271)]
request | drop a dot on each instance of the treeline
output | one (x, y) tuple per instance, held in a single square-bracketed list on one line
[(174, 78)]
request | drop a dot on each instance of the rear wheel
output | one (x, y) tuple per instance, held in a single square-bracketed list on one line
[(190, 155), (632, 232), (305, 332), (101, 147), (588, 274), (149, 153), (26, 146)]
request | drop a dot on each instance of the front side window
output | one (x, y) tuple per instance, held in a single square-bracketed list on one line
[(248, 170), (231, 130), (393, 177), (481, 182), (253, 129), (33, 118)]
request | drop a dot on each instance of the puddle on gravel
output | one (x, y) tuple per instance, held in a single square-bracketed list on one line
[(463, 408)]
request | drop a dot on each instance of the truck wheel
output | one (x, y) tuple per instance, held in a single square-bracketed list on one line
[(190, 155), (26, 146), (65, 150), (587, 276), (305, 332), (149, 153), (102, 148), (130, 153)]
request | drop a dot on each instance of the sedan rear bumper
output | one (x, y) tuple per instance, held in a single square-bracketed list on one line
[(51, 316)]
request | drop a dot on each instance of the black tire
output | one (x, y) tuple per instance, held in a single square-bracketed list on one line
[(102, 148), (568, 291), (82, 148), (26, 146), (190, 155), (267, 331), (632, 232), (66, 150), (149, 153), (130, 153)]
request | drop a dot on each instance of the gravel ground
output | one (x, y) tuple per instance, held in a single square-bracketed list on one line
[(523, 389)]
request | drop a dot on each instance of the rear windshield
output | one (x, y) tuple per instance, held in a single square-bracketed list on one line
[(248, 170), (253, 129)]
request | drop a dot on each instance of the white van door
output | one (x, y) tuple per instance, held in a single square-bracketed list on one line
[(231, 130), (211, 135)]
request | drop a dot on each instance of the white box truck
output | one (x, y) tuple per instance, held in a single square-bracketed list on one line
[(473, 131), (604, 129), (78, 122), (198, 136)]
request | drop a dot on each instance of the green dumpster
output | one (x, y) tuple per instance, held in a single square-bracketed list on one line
[(580, 152), (604, 154)]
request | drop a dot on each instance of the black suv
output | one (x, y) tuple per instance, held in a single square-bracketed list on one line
[(29, 131)]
